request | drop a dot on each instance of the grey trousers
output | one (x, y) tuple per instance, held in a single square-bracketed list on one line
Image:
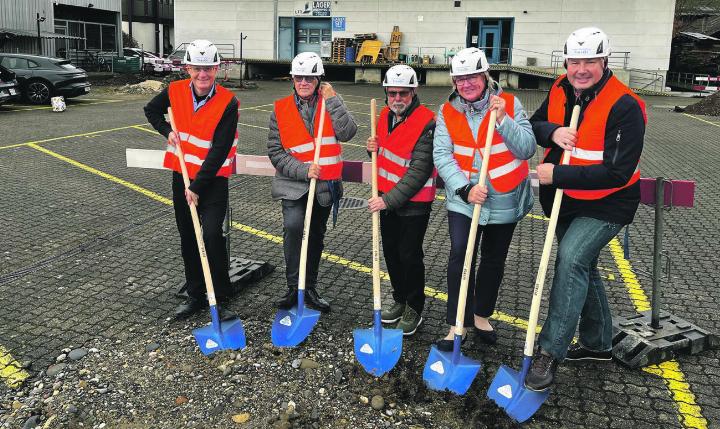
[(293, 218)]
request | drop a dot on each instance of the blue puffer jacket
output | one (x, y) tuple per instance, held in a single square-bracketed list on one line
[(499, 208)]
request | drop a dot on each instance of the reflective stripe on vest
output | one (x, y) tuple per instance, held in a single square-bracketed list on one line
[(196, 129), (590, 146), (504, 170), (296, 139), (395, 151)]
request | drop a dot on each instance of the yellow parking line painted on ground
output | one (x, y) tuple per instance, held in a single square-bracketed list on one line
[(689, 413), (50, 107), (10, 370), (702, 120), (68, 137)]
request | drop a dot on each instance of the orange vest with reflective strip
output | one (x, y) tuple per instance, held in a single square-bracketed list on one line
[(196, 129), (590, 146), (395, 151), (296, 138), (505, 172)]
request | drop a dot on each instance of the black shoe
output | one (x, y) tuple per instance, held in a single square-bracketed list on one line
[(447, 345), (316, 301), (542, 372), (225, 314), (485, 337), (288, 300), (578, 352), (190, 307)]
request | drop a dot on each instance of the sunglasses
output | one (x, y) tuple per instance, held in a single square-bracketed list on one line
[(308, 79), (404, 93)]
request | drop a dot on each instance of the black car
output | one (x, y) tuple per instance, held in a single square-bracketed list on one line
[(43, 77), (9, 88)]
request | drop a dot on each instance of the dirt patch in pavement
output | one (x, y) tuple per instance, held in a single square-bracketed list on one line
[(709, 105), (161, 380)]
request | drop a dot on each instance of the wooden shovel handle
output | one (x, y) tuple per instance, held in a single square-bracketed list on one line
[(311, 199), (465, 279), (377, 305), (547, 249), (195, 218)]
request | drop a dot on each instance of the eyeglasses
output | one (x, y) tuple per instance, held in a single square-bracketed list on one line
[(404, 93), (198, 69), (472, 79), (308, 79)]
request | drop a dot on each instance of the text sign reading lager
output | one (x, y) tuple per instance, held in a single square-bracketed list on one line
[(312, 8)]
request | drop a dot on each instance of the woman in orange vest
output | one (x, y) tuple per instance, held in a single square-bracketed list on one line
[(291, 147), (602, 193), (406, 182), (206, 116), (460, 134)]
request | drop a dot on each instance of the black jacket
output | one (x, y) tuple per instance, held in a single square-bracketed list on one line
[(624, 135), (222, 140), (418, 173)]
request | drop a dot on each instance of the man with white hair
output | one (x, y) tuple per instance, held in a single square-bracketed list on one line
[(406, 183), (206, 116), (601, 194)]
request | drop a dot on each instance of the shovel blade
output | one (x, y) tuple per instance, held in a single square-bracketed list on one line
[(225, 335), (291, 327), (443, 372), (378, 351), (509, 392)]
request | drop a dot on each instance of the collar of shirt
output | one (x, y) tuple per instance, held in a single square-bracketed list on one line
[(200, 103)]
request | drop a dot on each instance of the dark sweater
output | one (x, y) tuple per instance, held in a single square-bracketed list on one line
[(223, 136), (419, 171), (624, 135)]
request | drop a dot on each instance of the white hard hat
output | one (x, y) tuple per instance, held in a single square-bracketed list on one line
[(307, 64), (401, 76), (587, 42), (202, 53), (468, 61)]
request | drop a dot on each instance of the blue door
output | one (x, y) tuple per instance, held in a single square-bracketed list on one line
[(490, 42), (310, 32), (285, 38)]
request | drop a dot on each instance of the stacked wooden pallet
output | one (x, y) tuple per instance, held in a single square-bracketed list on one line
[(339, 46), (393, 50), (365, 36)]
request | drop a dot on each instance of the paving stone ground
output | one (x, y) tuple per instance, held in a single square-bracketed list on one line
[(86, 258)]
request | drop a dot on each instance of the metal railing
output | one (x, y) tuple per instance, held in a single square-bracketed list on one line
[(652, 80), (226, 50), (685, 79), (89, 59)]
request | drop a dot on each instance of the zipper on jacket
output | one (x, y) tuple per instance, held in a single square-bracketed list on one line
[(617, 146)]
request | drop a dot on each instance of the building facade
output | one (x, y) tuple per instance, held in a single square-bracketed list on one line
[(516, 32), (150, 24)]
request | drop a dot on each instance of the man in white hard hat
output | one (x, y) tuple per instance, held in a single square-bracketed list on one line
[(206, 116), (291, 145), (601, 194), (406, 184)]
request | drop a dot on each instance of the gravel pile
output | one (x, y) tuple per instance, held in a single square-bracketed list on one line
[(145, 87), (709, 105)]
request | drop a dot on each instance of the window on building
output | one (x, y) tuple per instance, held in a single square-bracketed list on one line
[(76, 29), (92, 36), (108, 38)]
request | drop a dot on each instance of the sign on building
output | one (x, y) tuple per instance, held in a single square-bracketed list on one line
[(338, 23), (312, 8)]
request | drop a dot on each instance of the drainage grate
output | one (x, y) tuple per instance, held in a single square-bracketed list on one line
[(353, 203)]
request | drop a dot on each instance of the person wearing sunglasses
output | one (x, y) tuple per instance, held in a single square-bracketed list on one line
[(206, 116), (462, 126), (406, 184), (291, 147)]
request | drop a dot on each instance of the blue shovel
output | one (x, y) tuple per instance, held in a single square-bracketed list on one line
[(377, 349), (218, 335), (508, 387), (292, 326), (452, 370)]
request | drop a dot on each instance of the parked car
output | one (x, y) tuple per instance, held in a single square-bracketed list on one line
[(9, 87), (176, 58), (152, 63), (41, 78)]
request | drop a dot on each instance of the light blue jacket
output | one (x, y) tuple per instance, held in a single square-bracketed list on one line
[(499, 208)]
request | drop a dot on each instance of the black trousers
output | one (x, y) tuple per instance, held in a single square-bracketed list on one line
[(293, 218), (482, 289), (212, 206), (402, 240)]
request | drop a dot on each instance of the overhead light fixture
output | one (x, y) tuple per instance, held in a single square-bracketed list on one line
[(91, 5)]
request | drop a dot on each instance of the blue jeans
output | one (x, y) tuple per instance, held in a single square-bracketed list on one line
[(577, 290)]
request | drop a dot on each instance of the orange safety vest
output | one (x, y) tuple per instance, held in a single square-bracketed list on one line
[(591, 132), (196, 129), (504, 170), (296, 138), (395, 151)]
